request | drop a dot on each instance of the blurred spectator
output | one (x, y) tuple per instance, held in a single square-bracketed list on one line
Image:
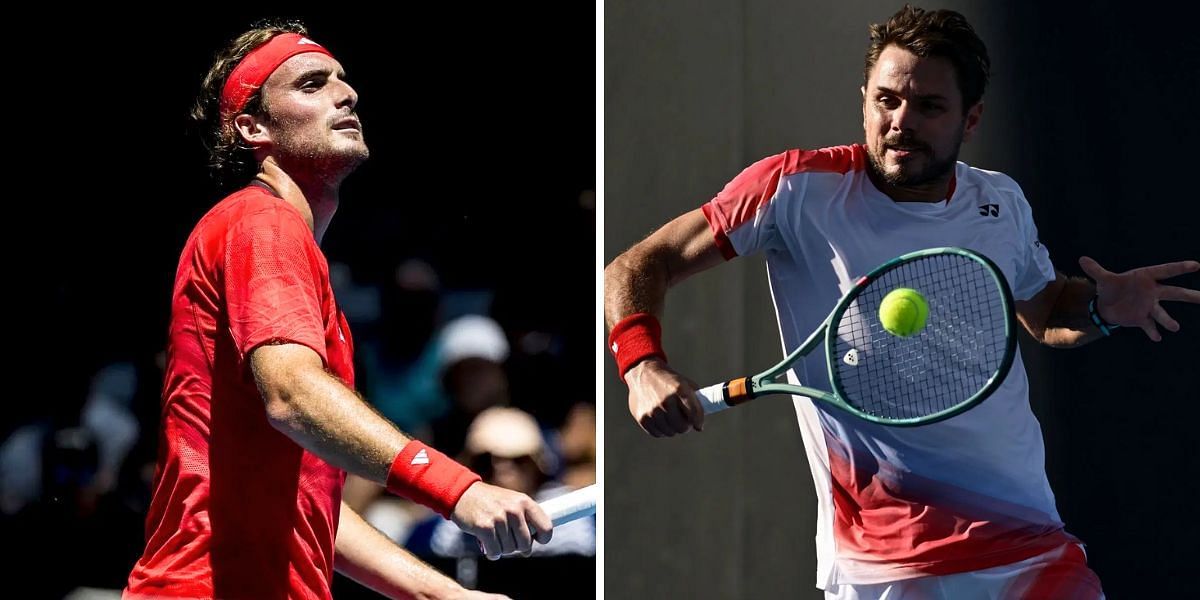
[(21, 467), (471, 353), (73, 489), (399, 369), (105, 420), (507, 448), (577, 446), (59, 526), (108, 416), (360, 303)]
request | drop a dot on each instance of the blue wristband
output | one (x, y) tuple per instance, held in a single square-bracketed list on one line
[(1104, 326)]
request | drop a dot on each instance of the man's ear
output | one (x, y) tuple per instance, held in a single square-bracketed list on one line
[(863, 90), (252, 130), (974, 116)]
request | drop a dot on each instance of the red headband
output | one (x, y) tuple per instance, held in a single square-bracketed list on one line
[(254, 70)]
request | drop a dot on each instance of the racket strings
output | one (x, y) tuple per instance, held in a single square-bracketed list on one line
[(949, 362)]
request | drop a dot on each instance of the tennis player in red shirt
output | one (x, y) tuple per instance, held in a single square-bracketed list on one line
[(260, 421)]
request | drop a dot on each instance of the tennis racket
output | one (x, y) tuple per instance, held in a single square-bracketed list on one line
[(571, 506), (951, 365)]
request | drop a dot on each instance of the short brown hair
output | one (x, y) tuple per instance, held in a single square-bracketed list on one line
[(942, 33), (231, 161)]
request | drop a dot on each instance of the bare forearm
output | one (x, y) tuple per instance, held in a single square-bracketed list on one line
[(634, 283), (325, 417), (1068, 324), (370, 558)]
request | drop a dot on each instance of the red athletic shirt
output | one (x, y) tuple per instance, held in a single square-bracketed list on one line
[(240, 510)]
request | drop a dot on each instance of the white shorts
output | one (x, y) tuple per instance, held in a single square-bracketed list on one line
[(1060, 574)]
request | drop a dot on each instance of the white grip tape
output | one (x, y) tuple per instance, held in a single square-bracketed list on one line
[(712, 398), (572, 505)]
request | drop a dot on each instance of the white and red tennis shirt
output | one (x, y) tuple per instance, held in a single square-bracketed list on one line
[(239, 509), (894, 503)]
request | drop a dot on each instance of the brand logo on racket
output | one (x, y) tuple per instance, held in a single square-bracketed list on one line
[(851, 358)]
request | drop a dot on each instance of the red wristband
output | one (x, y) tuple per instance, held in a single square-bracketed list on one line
[(634, 339), (426, 476)]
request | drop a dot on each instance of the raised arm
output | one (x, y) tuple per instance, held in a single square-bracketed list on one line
[(1071, 312), (635, 287), (322, 415)]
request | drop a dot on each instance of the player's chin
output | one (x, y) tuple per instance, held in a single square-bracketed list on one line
[(897, 174), (354, 153), (349, 138), (909, 170)]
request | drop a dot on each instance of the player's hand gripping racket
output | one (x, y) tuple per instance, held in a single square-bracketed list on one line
[(927, 374), (570, 506)]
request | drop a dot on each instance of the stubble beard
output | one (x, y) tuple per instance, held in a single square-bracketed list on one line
[(933, 171), (326, 162)]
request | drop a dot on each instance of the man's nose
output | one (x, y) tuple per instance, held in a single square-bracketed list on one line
[(349, 97), (904, 118)]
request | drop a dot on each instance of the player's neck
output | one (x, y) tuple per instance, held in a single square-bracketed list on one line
[(320, 204), (315, 196), (936, 190), (322, 216)]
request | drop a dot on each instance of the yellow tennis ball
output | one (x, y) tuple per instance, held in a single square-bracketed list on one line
[(903, 312)]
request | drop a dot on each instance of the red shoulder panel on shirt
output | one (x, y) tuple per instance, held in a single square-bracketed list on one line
[(755, 186)]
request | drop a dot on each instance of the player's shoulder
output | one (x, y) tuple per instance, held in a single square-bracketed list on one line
[(995, 180), (247, 214), (831, 159), (253, 207), (255, 202), (990, 183)]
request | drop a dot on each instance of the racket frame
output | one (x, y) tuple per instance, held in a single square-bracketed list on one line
[(766, 382)]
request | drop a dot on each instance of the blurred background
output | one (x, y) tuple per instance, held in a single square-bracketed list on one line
[(1090, 109), (463, 255)]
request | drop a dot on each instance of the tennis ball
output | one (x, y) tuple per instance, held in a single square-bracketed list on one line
[(903, 312)]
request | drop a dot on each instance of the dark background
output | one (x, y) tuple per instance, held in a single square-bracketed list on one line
[(481, 124), (1091, 109), (482, 139)]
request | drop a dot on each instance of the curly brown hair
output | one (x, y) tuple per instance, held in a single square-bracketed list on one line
[(231, 161), (941, 33)]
